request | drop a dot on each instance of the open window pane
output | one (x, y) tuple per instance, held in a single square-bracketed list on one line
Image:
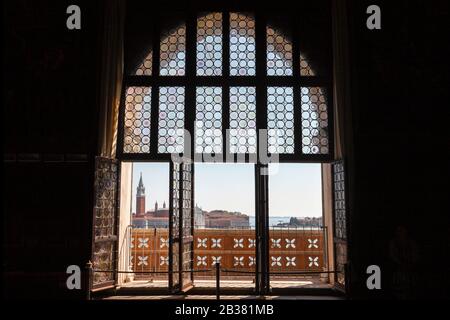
[(340, 219), (104, 257), (209, 45)]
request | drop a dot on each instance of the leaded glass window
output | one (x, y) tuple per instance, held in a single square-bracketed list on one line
[(224, 76)]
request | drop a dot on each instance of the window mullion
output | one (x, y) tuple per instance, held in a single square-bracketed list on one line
[(295, 48), (226, 44), (155, 88), (226, 84), (191, 62), (121, 124), (296, 87), (156, 36), (261, 72)]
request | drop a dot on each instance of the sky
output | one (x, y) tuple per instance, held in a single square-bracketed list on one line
[(294, 189)]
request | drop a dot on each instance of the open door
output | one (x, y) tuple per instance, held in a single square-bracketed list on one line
[(187, 227), (105, 231), (181, 228), (340, 225)]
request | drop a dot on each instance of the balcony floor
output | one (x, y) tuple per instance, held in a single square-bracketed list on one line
[(311, 283)]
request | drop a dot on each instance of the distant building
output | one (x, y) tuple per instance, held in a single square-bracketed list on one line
[(225, 219), (140, 198), (314, 222), (158, 217), (199, 217)]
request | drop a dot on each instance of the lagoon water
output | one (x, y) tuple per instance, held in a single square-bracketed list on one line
[(273, 221)]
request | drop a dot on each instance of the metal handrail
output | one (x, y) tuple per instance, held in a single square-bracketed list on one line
[(149, 272), (221, 269), (280, 272)]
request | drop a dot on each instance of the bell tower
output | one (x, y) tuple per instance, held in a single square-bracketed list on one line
[(140, 198)]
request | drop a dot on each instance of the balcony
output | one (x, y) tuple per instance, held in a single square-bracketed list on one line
[(297, 257)]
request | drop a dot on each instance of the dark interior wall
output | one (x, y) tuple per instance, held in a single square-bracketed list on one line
[(399, 81), (50, 127)]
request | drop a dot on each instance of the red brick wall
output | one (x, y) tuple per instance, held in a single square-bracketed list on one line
[(290, 250), (140, 205)]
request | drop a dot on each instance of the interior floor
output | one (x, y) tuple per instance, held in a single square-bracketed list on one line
[(224, 297), (250, 284), (238, 284)]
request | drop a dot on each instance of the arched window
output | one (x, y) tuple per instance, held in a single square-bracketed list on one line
[(223, 83), (225, 76)]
